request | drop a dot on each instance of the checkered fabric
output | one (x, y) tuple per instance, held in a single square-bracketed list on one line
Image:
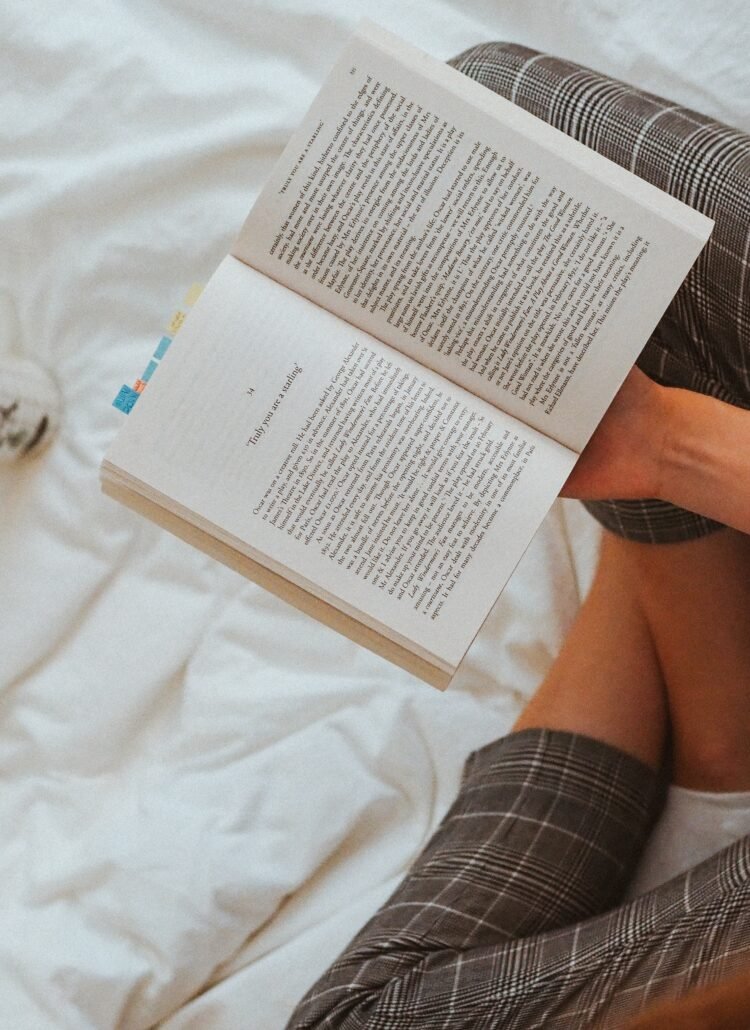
[(499, 924), (703, 341)]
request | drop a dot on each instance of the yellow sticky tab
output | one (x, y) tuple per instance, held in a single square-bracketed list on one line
[(177, 319), (193, 294)]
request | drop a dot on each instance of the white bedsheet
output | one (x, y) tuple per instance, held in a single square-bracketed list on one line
[(204, 793)]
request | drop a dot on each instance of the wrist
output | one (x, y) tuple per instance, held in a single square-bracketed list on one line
[(704, 461), (684, 456), (660, 422)]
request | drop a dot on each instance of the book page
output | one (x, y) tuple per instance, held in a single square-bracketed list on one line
[(421, 207), (314, 448)]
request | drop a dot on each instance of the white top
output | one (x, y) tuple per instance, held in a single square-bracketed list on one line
[(694, 825)]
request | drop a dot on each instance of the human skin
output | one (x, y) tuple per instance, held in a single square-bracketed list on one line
[(606, 682), (671, 444), (722, 1006), (694, 451), (661, 650)]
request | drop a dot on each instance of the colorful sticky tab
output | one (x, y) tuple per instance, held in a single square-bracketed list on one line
[(128, 395), (149, 371), (162, 346), (177, 319), (193, 294), (125, 399)]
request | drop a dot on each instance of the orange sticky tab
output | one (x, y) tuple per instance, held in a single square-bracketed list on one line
[(139, 385)]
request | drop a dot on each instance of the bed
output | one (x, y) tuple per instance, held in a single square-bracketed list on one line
[(204, 793)]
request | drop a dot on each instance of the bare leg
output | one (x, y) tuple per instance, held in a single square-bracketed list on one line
[(696, 597), (606, 682)]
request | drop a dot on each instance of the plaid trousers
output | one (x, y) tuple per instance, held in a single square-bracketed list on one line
[(512, 917), (703, 341), (507, 920)]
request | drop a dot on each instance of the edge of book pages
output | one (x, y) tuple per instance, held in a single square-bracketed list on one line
[(532, 128), (278, 585)]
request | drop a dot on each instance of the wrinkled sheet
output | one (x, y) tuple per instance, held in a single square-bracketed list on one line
[(204, 793)]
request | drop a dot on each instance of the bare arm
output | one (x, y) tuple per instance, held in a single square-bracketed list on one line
[(673, 444), (706, 458)]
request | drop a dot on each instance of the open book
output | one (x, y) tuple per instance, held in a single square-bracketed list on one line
[(385, 384)]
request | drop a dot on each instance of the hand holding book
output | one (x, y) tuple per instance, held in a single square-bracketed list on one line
[(461, 290), (624, 456), (672, 444)]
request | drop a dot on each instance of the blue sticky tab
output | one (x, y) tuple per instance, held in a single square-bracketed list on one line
[(149, 371), (125, 399), (162, 346)]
